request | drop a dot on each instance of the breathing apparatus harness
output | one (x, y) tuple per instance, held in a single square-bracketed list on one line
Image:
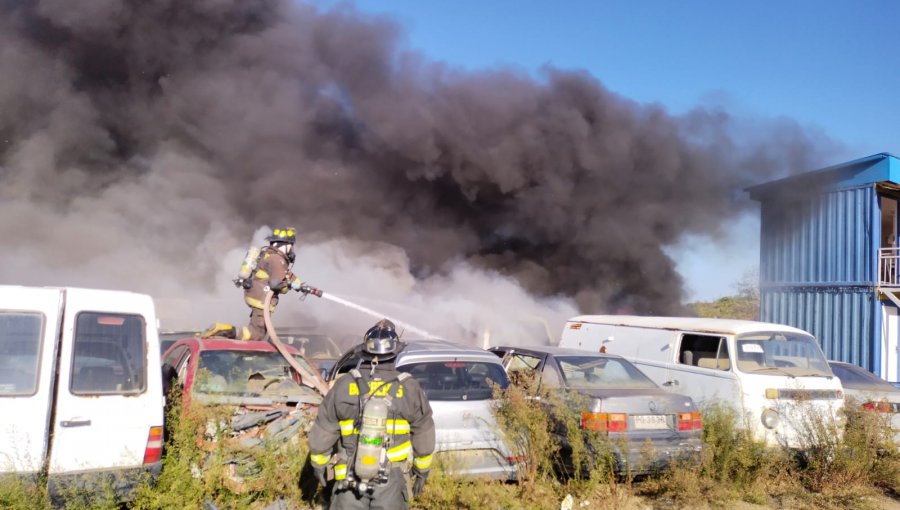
[(248, 268), (251, 263), (369, 466)]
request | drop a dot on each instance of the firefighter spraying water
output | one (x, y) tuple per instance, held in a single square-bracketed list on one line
[(264, 269)]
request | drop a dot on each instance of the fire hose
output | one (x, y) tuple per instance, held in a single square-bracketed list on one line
[(307, 378)]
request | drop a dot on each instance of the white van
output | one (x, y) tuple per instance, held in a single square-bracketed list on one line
[(775, 376), (80, 387)]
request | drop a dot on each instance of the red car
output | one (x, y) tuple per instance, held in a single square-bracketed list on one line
[(219, 370), (270, 406)]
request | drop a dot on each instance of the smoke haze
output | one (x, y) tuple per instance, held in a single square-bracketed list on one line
[(144, 143)]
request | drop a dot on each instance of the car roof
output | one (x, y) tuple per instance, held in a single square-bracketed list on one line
[(555, 351), (437, 349), (695, 324), (424, 350)]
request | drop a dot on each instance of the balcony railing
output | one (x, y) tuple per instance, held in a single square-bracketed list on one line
[(889, 267)]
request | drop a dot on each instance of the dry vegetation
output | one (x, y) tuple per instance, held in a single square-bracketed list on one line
[(560, 460)]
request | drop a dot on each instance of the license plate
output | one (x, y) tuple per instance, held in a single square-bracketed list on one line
[(650, 421)]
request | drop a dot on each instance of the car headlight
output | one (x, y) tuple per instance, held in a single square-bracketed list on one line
[(770, 418)]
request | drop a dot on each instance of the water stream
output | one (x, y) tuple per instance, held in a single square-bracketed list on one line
[(404, 325)]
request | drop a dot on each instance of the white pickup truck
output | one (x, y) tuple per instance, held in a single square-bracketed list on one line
[(80, 387)]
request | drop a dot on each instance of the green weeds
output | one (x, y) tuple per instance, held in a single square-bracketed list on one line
[(204, 465)]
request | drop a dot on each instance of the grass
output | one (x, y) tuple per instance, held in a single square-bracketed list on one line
[(22, 494), (843, 469), (204, 464), (840, 468)]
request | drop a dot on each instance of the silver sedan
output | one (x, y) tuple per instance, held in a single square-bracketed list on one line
[(623, 403)]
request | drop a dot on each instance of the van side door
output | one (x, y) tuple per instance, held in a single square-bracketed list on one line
[(110, 386), (703, 367), (29, 329)]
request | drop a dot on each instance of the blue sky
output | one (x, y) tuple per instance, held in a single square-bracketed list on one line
[(831, 66)]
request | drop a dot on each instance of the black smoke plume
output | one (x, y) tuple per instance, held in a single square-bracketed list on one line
[(175, 128)]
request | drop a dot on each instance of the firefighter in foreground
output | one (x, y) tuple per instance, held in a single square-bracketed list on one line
[(269, 268), (378, 422)]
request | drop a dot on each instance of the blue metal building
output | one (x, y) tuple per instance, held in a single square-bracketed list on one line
[(829, 259)]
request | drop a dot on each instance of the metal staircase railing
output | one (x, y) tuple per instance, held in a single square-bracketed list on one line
[(889, 267)]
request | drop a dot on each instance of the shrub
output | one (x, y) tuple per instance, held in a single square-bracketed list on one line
[(852, 462), (732, 465), (204, 464), (17, 493)]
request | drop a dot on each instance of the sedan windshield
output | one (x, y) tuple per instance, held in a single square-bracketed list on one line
[(244, 373), (781, 353), (599, 372)]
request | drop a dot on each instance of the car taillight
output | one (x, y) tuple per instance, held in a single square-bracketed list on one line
[(593, 421), (516, 459), (153, 452), (690, 421), (878, 407), (604, 422)]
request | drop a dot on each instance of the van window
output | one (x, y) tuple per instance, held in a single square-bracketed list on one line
[(705, 351), (781, 353), (110, 354), (20, 343), (457, 380)]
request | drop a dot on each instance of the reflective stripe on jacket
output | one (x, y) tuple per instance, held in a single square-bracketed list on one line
[(271, 271), (410, 426)]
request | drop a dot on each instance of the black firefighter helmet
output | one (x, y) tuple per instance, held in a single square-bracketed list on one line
[(381, 341)]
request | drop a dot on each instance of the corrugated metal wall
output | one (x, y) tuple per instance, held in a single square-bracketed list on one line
[(823, 239), (818, 261), (842, 318)]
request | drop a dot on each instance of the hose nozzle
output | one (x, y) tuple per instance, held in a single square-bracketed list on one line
[(306, 289)]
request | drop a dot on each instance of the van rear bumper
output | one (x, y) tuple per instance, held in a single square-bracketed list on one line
[(100, 483)]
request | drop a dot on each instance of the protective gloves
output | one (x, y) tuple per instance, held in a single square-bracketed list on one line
[(419, 482)]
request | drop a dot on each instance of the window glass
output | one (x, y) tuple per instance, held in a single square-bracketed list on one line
[(305, 364), (550, 376), (859, 379), (175, 356), (705, 351), (110, 354), (183, 367), (457, 380), (247, 373), (20, 345), (313, 346), (781, 353), (595, 372), (522, 368)]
